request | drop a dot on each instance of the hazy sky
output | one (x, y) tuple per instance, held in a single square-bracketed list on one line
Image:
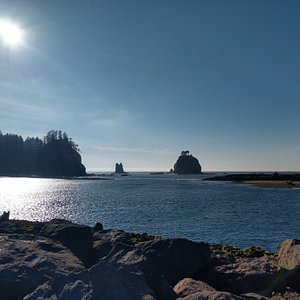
[(138, 81)]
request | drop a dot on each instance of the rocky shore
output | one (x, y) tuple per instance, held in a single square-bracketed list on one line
[(256, 177), (62, 260), (269, 180)]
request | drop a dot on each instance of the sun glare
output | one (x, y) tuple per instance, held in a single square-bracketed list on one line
[(11, 34)]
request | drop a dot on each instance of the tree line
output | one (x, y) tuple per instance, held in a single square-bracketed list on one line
[(54, 155)]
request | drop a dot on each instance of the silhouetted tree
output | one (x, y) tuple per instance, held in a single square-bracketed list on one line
[(185, 153), (55, 155)]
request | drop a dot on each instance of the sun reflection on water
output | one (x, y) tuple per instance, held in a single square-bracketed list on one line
[(18, 186), (25, 197)]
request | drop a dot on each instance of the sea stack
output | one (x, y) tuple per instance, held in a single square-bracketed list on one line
[(187, 164), (119, 168)]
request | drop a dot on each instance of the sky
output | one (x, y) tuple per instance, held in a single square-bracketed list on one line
[(139, 81)]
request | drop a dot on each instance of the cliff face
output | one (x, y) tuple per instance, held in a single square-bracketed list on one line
[(187, 164)]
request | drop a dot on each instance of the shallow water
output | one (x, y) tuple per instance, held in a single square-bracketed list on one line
[(167, 205)]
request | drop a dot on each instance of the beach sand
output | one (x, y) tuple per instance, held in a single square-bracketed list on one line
[(274, 183)]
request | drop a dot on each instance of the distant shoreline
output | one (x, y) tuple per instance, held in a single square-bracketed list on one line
[(273, 183), (268, 180)]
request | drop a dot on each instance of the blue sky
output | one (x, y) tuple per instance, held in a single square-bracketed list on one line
[(138, 81)]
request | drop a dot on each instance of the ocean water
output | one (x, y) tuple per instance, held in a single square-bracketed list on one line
[(165, 205)]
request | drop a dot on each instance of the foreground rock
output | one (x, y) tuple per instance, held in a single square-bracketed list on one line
[(289, 262), (103, 281), (188, 286), (212, 295), (105, 240), (27, 261), (127, 255), (77, 238), (66, 232), (245, 275), (177, 258), (63, 260)]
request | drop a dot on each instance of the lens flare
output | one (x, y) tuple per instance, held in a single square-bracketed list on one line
[(11, 34)]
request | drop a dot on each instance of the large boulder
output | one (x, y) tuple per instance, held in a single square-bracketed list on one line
[(176, 258), (289, 262), (27, 262), (254, 296), (105, 240), (128, 255), (289, 254), (104, 280), (78, 238), (188, 286), (287, 295), (211, 295), (187, 164), (245, 275), (20, 226)]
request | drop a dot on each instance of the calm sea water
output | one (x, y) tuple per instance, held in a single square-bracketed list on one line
[(166, 205)]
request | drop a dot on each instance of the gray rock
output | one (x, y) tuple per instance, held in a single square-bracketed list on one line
[(246, 275), (176, 258), (20, 226), (286, 295), (105, 240), (130, 256), (289, 262), (189, 286), (105, 280), (289, 254), (253, 296), (78, 238), (211, 295), (26, 262)]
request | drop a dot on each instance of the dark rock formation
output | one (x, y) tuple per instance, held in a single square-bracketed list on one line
[(105, 280), (211, 295), (253, 296), (188, 286), (119, 168), (78, 238), (106, 240), (27, 262), (187, 164), (130, 256), (176, 258), (5, 216), (63, 260), (256, 176), (244, 275)]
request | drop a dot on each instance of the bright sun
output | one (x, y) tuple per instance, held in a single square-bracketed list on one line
[(11, 34)]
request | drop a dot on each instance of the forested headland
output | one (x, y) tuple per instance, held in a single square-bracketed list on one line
[(56, 155)]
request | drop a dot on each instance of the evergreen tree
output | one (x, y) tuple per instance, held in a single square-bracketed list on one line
[(55, 155)]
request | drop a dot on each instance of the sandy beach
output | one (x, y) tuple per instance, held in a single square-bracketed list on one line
[(274, 183)]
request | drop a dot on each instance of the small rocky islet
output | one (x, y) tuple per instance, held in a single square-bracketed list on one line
[(59, 259), (187, 164)]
